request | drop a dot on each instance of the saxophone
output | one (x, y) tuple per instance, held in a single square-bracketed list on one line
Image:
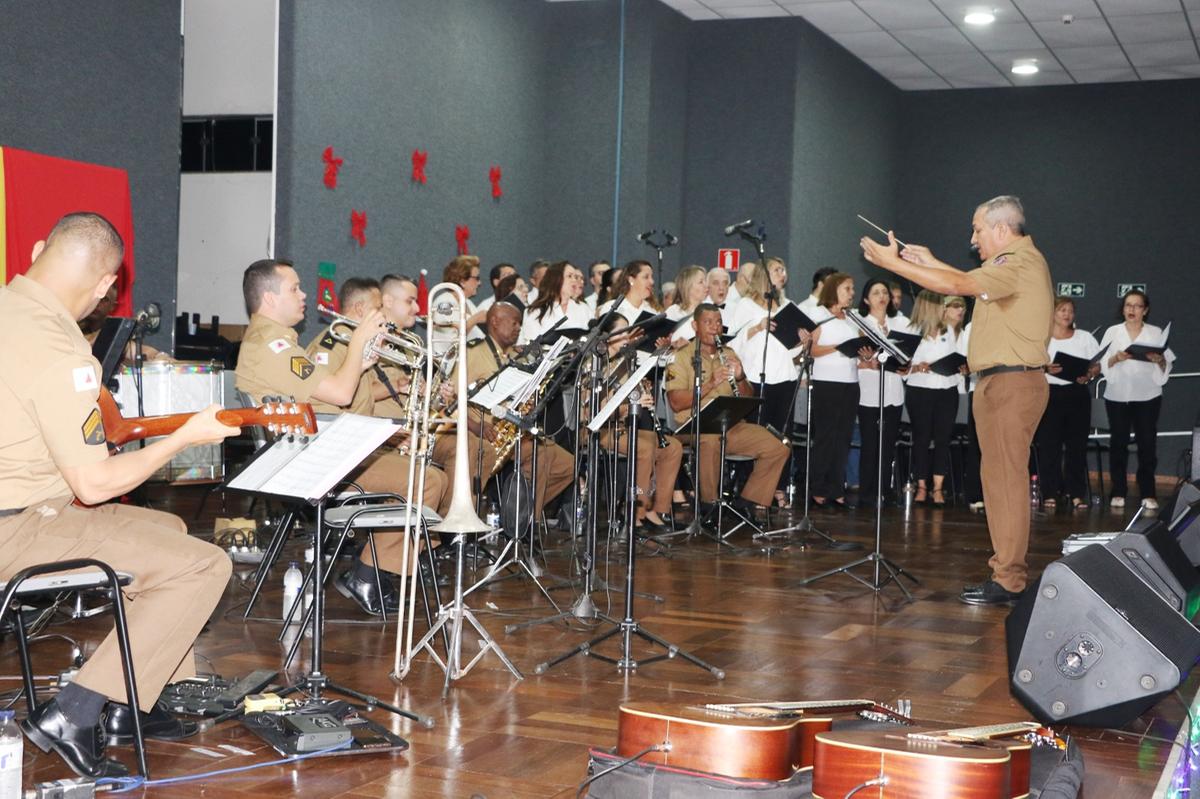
[(507, 433), (725, 365)]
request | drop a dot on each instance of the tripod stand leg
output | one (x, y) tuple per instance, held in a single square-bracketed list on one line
[(583, 649), (674, 651)]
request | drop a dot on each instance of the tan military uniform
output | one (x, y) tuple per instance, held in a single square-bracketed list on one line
[(49, 384), (769, 453), (1010, 327), (556, 467), (271, 362), (388, 407)]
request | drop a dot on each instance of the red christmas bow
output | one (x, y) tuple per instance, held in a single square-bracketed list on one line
[(358, 227), (494, 177), (419, 157), (332, 165), (461, 234)]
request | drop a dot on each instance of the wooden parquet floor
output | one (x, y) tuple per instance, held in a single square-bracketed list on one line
[(498, 737)]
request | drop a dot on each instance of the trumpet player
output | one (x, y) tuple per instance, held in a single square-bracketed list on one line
[(722, 375), (659, 454), (485, 357), (335, 379)]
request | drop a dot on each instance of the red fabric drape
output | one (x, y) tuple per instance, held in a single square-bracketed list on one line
[(38, 189)]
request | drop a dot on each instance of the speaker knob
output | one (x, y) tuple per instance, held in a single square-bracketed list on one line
[(1025, 675), (1050, 591), (1148, 682)]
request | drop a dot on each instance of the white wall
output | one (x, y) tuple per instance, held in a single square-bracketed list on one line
[(224, 225), (228, 57)]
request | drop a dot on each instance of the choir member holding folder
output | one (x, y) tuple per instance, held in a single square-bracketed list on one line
[(1136, 367), (1068, 413), (554, 304), (877, 311), (932, 388), (633, 288), (834, 392), (691, 286)]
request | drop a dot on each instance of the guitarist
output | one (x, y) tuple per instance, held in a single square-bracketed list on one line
[(52, 451)]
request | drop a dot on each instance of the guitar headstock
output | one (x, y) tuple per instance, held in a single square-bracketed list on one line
[(900, 713), (284, 417)]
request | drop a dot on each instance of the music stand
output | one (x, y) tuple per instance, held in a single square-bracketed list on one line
[(630, 393), (308, 468), (876, 558)]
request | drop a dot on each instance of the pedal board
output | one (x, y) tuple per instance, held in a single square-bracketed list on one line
[(313, 732), (211, 696)]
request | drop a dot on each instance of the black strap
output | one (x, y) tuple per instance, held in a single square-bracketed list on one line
[(383, 378)]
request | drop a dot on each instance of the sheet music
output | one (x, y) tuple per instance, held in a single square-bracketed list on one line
[(509, 381), (620, 394), (548, 362), (309, 471)]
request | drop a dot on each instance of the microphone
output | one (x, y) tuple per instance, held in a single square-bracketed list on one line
[(672, 239), (646, 235), (729, 231)]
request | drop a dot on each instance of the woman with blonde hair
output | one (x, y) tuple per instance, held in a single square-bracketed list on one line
[(931, 398), (691, 287)]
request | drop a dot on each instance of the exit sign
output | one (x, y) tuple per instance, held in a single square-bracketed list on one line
[(1125, 288), (1071, 289)]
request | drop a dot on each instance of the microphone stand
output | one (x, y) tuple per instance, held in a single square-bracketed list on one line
[(668, 240)]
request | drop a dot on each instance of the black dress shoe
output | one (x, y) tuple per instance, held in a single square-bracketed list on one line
[(158, 724), (648, 527), (81, 747), (366, 594), (989, 592)]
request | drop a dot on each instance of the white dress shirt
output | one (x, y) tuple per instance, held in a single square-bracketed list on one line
[(780, 366), (488, 303), (1131, 380), (628, 310), (836, 367), (868, 379), (532, 326), (685, 332), (809, 304), (930, 350), (590, 302), (1081, 344)]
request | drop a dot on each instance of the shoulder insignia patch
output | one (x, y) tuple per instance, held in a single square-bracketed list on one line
[(475, 342), (1000, 260), (85, 378), (278, 345), (670, 374), (93, 428), (301, 367), (327, 341), (322, 358)]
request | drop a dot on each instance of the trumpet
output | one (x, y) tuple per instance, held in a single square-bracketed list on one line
[(396, 346)]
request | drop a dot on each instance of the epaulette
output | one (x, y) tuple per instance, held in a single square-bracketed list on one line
[(327, 341), (475, 342)]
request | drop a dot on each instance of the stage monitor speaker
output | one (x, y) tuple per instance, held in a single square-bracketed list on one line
[(109, 345), (1181, 513), (1092, 643)]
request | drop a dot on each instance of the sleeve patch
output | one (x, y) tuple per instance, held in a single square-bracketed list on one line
[(1000, 260), (301, 367), (279, 345), (85, 378), (93, 428), (322, 358), (327, 341)]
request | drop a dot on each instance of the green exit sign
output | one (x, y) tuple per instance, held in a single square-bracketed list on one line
[(1071, 289), (1125, 288)]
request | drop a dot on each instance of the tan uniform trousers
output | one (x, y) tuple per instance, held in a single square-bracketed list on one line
[(177, 582), (769, 453), (445, 455), (1007, 409), (555, 470), (388, 471), (661, 464)]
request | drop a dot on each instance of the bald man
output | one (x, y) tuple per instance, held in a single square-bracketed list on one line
[(52, 452)]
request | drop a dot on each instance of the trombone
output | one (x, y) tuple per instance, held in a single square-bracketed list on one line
[(396, 346)]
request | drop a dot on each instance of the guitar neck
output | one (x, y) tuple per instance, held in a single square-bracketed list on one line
[(985, 732), (783, 707), (120, 430)]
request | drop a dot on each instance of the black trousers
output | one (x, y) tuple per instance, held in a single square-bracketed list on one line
[(777, 409), (972, 482), (868, 426), (833, 409), (1064, 425), (931, 413), (1142, 419)]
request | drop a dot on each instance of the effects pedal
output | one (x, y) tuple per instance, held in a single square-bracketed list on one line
[(212, 696), (316, 731)]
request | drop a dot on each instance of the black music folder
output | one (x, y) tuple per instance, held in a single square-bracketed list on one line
[(905, 342), (788, 322), (653, 329), (1074, 367), (850, 347), (1140, 351), (514, 300), (949, 365)]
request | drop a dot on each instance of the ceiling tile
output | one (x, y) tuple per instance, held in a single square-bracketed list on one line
[(900, 67), (920, 84), (1010, 36), (1004, 10), (1104, 75), (1163, 54), (872, 44), (1091, 58), (961, 65), (935, 40), (1055, 9), (1046, 77), (1003, 59), (1170, 73), (836, 17), (755, 11), (1124, 8), (1151, 28), (903, 14), (1080, 33), (721, 5), (699, 13), (982, 82)]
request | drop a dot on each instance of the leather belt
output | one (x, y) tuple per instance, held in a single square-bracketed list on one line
[(11, 512), (997, 370)]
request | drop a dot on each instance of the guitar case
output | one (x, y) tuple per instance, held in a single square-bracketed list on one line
[(1054, 774)]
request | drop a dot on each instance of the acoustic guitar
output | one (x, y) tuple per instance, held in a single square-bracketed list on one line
[(990, 762), (279, 417), (762, 740)]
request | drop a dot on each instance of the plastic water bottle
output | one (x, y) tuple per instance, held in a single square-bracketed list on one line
[(909, 492), (493, 516), (11, 754), (1035, 492), (292, 580)]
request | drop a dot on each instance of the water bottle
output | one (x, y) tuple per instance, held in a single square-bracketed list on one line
[(493, 515), (909, 492), (292, 580), (1035, 492), (11, 754)]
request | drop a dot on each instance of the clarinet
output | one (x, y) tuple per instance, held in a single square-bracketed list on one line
[(724, 365), (658, 425)]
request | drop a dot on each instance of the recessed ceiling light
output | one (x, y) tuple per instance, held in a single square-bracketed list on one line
[(979, 16), (1025, 66)]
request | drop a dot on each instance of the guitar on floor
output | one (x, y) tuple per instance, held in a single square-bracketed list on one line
[(756, 740), (279, 417), (970, 763)]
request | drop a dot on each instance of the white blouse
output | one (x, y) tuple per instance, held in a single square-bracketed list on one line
[(1130, 380), (576, 315), (835, 367), (1081, 344), (627, 309), (780, 367), (928, 351), (868, 379), (686, 332)]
